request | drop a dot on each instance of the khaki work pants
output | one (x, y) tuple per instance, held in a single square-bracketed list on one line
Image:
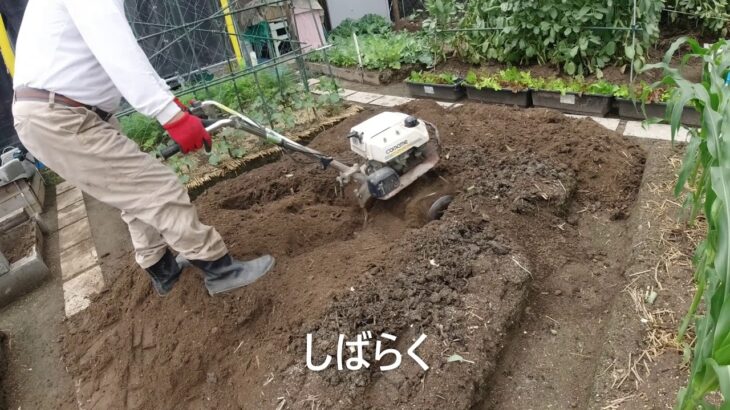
[(93, 155)]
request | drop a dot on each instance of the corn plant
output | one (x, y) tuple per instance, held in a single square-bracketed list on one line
[(705, 178)]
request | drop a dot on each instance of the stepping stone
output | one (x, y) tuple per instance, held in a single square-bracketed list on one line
[(610, 123), (71, 214), (63, 187), (654, 131), (391, 101), (78, 291), (73, 234), (363, 97), (69, 197), (77, 259)]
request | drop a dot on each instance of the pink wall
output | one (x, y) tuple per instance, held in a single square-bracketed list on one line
[(309, 28)]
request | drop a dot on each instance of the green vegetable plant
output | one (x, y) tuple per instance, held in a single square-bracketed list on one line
[(379, 51), (368, 24), (705, 180), (510, 79), (182, 165), (644, 93), (579, 36), (425, 77), (707, 15), (281, 99), (223, 148), (145, 131), (575, 86)]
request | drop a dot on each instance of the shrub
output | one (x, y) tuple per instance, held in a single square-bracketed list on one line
[(368, 24), (708, 15), (568, 33), (379, 52)]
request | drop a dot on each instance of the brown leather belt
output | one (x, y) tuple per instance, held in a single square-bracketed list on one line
[(34, 94)]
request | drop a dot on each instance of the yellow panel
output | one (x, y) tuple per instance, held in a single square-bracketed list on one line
[(6, 49)]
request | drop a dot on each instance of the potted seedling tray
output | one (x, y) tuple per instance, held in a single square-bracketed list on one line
[(446, 92), (509, 87), (574, 95), (442, 86), (573, 103), (506, 97), (633, 110)]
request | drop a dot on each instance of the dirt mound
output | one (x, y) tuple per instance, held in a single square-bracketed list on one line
[(461, 281)]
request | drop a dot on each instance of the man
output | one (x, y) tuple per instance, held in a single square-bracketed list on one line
[(75, 60)]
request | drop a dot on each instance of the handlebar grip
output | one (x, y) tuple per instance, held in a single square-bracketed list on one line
[(172, 150), (169, 151)]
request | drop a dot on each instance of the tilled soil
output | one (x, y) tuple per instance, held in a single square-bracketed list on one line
[(17, 243), (525, 183)]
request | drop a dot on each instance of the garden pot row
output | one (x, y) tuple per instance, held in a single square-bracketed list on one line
[(583, 104)]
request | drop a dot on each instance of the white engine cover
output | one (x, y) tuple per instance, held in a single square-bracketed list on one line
[(386, 136)]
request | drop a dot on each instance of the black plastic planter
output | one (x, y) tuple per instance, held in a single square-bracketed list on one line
[(629, 109), (436, 91), (586, 104), (506, 97)]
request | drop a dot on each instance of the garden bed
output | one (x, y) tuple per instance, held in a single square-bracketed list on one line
[(371, 77), (524, 182), (201, 174), (21, 243), (18, 242)]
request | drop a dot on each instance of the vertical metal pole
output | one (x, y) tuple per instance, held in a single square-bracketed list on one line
[(297, 46), (263, 98), (235, 85), (6, 49), (633, 43), (359, 58), (192, 47), (329, 69), (232, 34), (278, 81)]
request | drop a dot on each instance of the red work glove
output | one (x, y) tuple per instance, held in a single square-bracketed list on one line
[(188, 132)]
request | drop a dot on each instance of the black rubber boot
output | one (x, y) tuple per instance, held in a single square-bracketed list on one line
[(165, 273), (227, 274)]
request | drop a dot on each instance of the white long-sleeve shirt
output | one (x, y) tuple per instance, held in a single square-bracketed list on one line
[(85, 50)]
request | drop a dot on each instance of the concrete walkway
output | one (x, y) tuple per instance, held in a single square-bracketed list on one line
[(80, 268)]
